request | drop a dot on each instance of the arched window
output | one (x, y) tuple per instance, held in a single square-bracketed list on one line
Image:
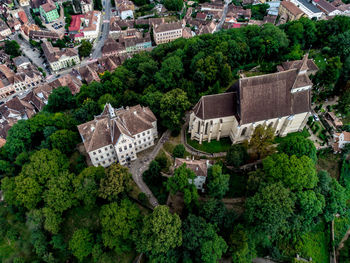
[(270, 124), (244, 131), (206, 128)]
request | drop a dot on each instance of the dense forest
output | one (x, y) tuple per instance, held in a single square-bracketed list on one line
[(57, 209)]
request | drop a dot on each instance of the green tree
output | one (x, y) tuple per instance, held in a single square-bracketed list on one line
[(213, 211), (116, 181), (52, 220), (261, 143), (107, 98), (85, 49), (179, 151), (161, 231), (237, 155), (61, 99), (217, 182), (172, 108), (242, 249), (81, 243), (86, 185), (180, 181), (344, 103), (119, 225), (298, 146), (12, 48), (269, 209), (64, 140), (295, 173), (173, 5), (201, 241), (170, 73)]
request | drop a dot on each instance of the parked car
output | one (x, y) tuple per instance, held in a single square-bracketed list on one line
[(316, 118)]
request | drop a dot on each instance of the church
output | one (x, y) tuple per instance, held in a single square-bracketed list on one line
[(280, 100)]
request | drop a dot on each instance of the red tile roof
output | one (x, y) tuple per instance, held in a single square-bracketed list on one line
[(23, 17), (75, 24)]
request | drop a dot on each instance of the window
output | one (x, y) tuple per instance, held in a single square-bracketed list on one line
[(135, 143), (99, 151), (132, 152), (144, 139), (96, 159), (149, 138), (110, 147), (206, 128), (109, 160), (199, 126), (120, 149), (148, 132), (139, 142), (107, 154), (122, 156), (244, 131), (270, 125), (143, 134), (106, 148), (125, 147), (138, 136), (130, 145), (94, 153), (104, 162)]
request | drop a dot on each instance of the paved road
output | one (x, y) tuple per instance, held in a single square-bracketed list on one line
[(28, 14), (97, 53), (140, 165), (223, 18)]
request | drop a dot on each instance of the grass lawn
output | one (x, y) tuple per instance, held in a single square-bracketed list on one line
[(212, 147), (319, 60), (303, 133)]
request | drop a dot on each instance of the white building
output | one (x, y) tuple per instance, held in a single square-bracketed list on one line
[(59, 59), (199, 167), (167, 32), (118, 134), (279, 100), (5, 31), (308, 8)]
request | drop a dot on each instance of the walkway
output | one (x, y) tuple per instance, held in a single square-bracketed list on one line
[(223, 18), (139, 166)]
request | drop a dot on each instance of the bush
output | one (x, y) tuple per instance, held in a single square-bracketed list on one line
[(179, 151), (142, 197)]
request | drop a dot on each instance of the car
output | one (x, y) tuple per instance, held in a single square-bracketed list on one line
[(316, 118), (1, 102)]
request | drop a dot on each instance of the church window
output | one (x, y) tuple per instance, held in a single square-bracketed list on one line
[(244, 131), (206, 128)]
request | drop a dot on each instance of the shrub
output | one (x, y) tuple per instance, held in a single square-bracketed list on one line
[(179, 151)]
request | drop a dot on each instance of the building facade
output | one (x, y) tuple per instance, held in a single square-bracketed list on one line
[(164, 33), (24, 2), (117, 135), (279, 100), (82, 6), (290, 10), (59, 59), (49, 11)]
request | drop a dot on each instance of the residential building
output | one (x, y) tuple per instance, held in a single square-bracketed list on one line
[(290, 11), (125, 9), (213, 6), (5, 31), (23, 17), (59, 59), (164, 33), (68, 80), (14, 24), (326, 7), (118, 134), (44, 34), (199, 167), (333, 121), (12, 111), (27, 78), (85, 27), (340, 140), (83, 6), (308, 8), (49, 11), (279, 100)]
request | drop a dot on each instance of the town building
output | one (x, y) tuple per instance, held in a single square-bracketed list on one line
[(14, 24), (326, 7), (199, 167), (27, 78), (125, 9), (290, 11), (82, 6), (86, 26), (49, 11), (167, 32), (118, 134), (340, 140), (59, 59), (5, 31), (21, 62), (308, 8), (44, 34), (279, 100)]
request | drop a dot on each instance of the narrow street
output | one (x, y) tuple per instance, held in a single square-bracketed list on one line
[(139, 166), (223, 18), (106, 7)]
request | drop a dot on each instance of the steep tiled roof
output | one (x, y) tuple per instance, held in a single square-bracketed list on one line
[(199, 167)]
